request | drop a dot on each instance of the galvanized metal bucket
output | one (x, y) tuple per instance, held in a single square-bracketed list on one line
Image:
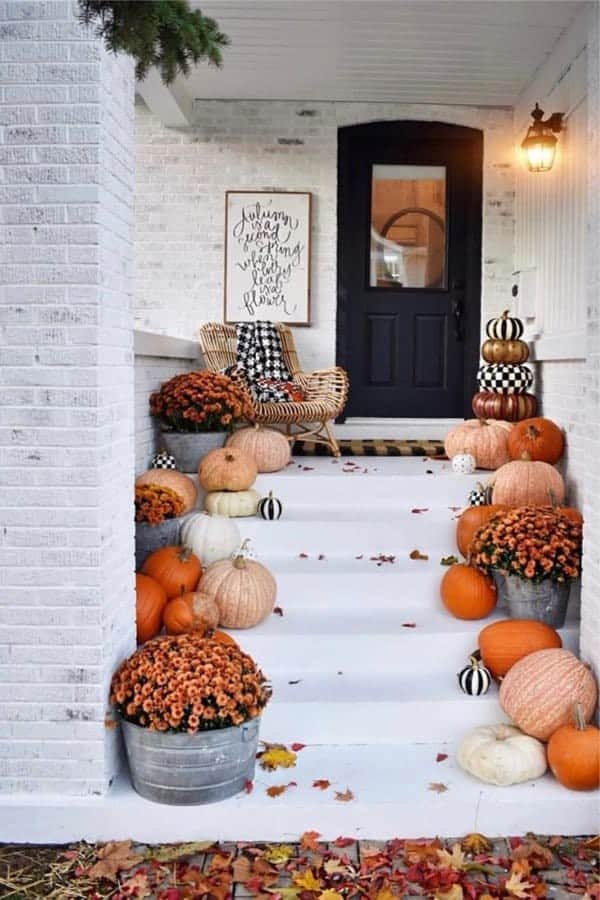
[(546, 602), (499, 580), (188, 769), (149, 538), (188, 448)]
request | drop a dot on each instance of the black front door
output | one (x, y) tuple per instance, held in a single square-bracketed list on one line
[(409, 267)]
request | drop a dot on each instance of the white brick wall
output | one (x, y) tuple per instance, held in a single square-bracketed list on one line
[(66, 430), (182, 176)]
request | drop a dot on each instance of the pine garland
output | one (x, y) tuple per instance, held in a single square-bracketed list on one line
[(162, 33)]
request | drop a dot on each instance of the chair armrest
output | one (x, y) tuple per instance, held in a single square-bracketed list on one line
[(328, 385)]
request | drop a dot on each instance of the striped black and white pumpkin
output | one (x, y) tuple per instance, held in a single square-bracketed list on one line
[(270, 508), (163, 460), (504, 328), (474, 679), (481, 495), (504, 378)]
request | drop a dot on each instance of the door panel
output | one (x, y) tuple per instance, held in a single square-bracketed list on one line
[(409, 267)]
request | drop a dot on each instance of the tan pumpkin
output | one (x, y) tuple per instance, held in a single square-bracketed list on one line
[(177, 481), (471, 520), (227, 469), (540, 438), (504, 643), (496, 351), (190, 612), (540, 691), (525, 482), (233, 504), (269, 448), (484, 439), (244, 591)]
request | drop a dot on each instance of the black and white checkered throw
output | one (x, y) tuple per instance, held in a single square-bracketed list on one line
[(260, 358)]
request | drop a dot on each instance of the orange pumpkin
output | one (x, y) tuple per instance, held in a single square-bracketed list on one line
[(176, 569), (190, 612), (150, 601), (539, 692), (540, 438), (526, 482), (176, 481), (484, 439), (574, 754), (471, 520), (467, 593), (221, 637), (504, 643), (227, 469), (569, 512)]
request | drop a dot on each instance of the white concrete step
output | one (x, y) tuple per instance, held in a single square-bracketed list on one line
[(392, 798)]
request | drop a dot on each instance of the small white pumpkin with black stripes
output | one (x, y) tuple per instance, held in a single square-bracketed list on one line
[(504, 328), (270, 508), (474, 679)]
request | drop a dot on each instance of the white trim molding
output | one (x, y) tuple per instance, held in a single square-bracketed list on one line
[(148, 343), (570, 345)]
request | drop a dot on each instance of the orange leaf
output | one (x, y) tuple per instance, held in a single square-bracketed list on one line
[(437, 787), (343, 841), (322, 784), (416, 554), (308, 841), (277, 789), (344, 796)]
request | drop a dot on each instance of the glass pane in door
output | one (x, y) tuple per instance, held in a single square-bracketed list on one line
[(408, 226)]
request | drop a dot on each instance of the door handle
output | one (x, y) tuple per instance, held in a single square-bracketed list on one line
[(457, 314)]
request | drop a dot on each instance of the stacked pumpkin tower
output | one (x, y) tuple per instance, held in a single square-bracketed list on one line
[(503, 378)]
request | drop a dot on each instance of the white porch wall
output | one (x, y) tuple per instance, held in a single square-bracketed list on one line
[(182, 176), (66, 435)]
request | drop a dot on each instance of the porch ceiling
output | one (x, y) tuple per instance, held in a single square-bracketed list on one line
[(457, 51)]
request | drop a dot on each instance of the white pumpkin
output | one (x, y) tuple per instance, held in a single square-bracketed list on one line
[(464, 463), (501, 754), (210, 537), (232, 503)]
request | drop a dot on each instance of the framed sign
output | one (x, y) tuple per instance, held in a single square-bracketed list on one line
[(267, 256)]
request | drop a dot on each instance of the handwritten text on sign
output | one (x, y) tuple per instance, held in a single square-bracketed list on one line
[(267, 257)]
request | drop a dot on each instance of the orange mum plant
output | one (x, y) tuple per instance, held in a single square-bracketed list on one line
[(200, 401), (154, 504), (188, 683), (534, 543)]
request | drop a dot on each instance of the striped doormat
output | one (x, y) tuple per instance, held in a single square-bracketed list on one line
[(373, 447)]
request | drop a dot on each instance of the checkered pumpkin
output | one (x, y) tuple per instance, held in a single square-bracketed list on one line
[(503, 378), (481, 495), (163, 460)]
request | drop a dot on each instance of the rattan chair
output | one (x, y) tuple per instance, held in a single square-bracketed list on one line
[(325, 391)]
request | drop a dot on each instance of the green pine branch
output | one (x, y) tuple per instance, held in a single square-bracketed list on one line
[(162, 33)]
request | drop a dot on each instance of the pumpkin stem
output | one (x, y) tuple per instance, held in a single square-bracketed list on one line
[(184, 554), (532, 432), (239, 560), (229, 457), (580, 723), (525, 456)]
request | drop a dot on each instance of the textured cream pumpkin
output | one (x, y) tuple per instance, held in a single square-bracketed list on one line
[(269, 448), (176, 481), (227, 469), (210, 537), (540, 691), (232, 503), (501, 754), (524, 482), (243, 589), (485, 439)]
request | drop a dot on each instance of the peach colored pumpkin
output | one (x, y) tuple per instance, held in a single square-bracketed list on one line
[(525, 482), (540, 691), (485, 439), (177, 481), (269, 448), (227, 469), (244, 591)]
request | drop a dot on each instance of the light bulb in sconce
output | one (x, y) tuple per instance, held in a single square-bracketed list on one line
[(539, 145)]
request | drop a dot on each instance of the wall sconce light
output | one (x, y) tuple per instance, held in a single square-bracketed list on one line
[(540, 143)]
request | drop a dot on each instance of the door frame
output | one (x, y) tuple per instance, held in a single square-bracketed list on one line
[(471, 140)]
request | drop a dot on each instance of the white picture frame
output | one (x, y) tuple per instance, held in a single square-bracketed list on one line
[(267, 256)]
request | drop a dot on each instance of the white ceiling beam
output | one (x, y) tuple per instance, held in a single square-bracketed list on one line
[(171, 103)]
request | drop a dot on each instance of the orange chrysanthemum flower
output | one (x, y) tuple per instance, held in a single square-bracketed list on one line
[(201, 401)]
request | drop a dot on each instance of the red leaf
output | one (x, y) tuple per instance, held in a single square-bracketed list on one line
[(409, 624), (277, 611), (343, 842), (297, 747), (441, 757), (515, 842), (420, 510), (321, 783), (249, 786)]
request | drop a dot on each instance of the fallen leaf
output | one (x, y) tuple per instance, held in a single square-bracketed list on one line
[(448, 560), (306, 880), (219, 862), (537, 856), (335, 866), (385, 893), (171, 852), (308, 840), (592, 844), (344, 796), (136, 886), (330, 895), (454, 893), (382, 558), (114, 857), (276, 756), (421, 851), (343, 841), (277, 610), (277, 789), (242, 869), (360, 557), (248, 786), (297, 681), (422, 510), (303, 555), (321, 556), (441, 757), (297, 747), (322, 784), (416, 554), (429, 471), (278, 853), (454, 859), (437, 787), (409, 624), (516, 887)]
